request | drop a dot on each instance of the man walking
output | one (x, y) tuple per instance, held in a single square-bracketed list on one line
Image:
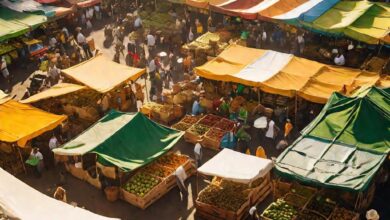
[(198, 154), (181, 176)]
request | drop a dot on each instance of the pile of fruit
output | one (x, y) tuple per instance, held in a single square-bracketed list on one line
[(141, 183), (209, 120), (225, 194), (280, 210), (189, 119), (343, 214), (199, 129), (172, 161), (215, 134), (225, 125), (181, 126), (156, 170), (308, 215), (321, 205)]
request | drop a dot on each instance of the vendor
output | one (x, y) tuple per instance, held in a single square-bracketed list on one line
[(243, 138), (196, 108), (223, 108), (36, 161), (243, 114)]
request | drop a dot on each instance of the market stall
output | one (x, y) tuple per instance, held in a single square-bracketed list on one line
[(19, 124), (126, 148), (240, 182), (15, 205), (341, 142), (207, 130), (163, 113)]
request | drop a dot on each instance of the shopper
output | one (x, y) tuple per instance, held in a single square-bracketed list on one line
[(198, 154), (271, 132), (181, 176)]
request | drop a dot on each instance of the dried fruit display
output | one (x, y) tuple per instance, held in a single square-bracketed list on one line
[(343, 214), (199, 129), (321, 205), (280, 210), (172, 161), (156, 170), (215, 134), (209, 120), (308, 215), (226, 195), (225, 125), (141, 183), (189, 119), (181, 126)]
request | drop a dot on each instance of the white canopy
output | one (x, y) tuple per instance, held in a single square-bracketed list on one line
[(18, 200), (235, 166)]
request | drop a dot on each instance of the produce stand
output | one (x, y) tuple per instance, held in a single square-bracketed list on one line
[(240, 182), (158, 178), (207, 130), (163, 113), (295, 201)]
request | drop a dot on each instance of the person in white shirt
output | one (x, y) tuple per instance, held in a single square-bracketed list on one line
[(198, 154), (82, 41), (52, 42), (271, 132), (53, 142), (139, 105), (138, 22), (301, 43), (35, 154), (151, 40), (181, 176), (339, 60), (81, 38)]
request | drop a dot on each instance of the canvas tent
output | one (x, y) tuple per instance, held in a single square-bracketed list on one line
[(84, 3), (126, 140), (20, 201), (284, 74), (54, 91), (102, 74), (21, 122), (361, 20), (31, 6), (236, 166), (14, 24), (345, 145)]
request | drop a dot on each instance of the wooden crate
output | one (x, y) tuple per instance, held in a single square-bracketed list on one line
[(259, 193), (157, 192), (211, 212), (211, 143), (192, 138)]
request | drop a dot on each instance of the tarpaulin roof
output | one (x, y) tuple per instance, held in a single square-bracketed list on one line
[(345, 145), (21, 122), (317, 10), (204, 4), (20, 201), (14, 24), (284, 74), (35, 7), (236, 166), (84, 3), (102, 74), (361, 20), (54, 91), (126, 140)]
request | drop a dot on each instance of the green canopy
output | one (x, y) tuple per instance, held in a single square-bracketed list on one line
[(345, 145), (126, 140), (14, 24), (361, 20)]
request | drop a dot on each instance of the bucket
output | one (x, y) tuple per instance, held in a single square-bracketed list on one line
[(112, 193)]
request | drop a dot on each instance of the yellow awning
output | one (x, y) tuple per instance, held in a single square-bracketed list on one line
[(55, 91), (284, 74), (21, 122), (102, 74)]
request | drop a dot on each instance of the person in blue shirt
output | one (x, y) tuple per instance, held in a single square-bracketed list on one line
[(196, 108)]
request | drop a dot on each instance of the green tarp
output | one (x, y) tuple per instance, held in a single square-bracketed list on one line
[(125, 140), (361, 20), (345, 145), (14, 24)]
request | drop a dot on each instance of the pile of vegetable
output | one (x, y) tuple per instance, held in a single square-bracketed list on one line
[(209, 120), (172, 161), (225, 194), (215, 134), (199, 129), (141, 183), (225, 125), (280, 210), (157, 170), (181, 126), (189, 119), (343, 214), (322, 205)]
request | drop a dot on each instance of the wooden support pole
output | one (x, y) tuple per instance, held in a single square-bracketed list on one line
[(21, 158)]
